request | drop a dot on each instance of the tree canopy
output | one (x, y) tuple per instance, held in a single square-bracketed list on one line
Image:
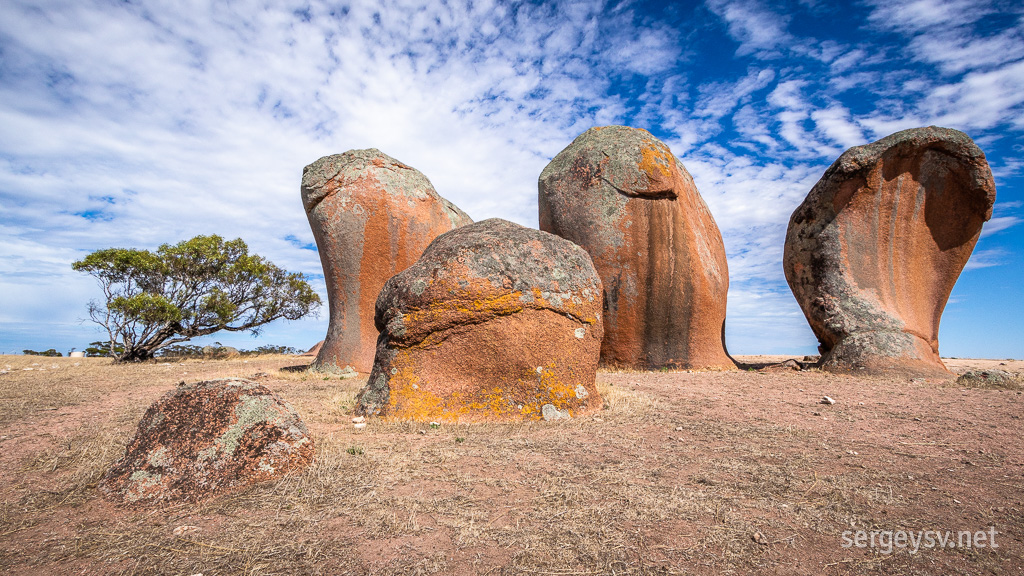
[(190, 289)]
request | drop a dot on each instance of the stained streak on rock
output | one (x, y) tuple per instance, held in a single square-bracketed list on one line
[(623, 196)]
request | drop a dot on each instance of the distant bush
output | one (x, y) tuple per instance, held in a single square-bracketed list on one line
[(181, 351), (270, 349), (51, 352), (101, 349), (218, 350)]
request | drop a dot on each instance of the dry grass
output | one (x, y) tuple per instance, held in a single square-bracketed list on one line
[(681, 473)]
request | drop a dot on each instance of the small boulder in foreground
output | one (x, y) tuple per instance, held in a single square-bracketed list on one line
[(990, 379), (206, 438)]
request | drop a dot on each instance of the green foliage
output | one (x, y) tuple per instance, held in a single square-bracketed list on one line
[(190, 289), (100, 349), (181, 351), (193, 351), (270, 349), (50, 353)]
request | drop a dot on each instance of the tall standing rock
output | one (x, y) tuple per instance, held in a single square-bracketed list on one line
[(494, 322), (873, 252), (372, 217), (623, 196)]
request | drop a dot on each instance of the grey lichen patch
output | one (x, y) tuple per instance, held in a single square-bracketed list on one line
[(139, 483), (206, 454), (159, 458), (396, 323), (551, 413), (374, 396), (157, 419), (418, 286), (250, 411), (333, 370), (581, 392), (332, 174), (580, 332), (239, 383), (142, 475)]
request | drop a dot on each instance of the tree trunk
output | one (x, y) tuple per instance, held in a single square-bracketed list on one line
[(136, 355)]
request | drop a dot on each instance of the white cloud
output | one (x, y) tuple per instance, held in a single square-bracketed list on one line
[(960, 52), (757, 28), (836, 125), (998, 224), (981, 99), (986, 259), (137, 124), (924, 15)]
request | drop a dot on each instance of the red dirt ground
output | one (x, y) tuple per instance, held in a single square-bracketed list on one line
[(741, 472)]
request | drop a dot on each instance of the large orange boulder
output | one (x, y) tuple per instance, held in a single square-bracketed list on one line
[(372, 217), (494, 322), (623, 196), (873, 252), (206, 438)]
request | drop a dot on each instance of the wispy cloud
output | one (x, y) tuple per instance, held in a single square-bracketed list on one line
[(999, 224), (756, 27), (986, 259)]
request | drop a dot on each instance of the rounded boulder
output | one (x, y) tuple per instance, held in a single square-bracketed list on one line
[(207, 438), (494, 322)]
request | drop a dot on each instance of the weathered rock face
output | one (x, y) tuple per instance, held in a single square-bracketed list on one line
[(623, 196), (206, 438), (372, 217), (991, 379), (211, 352), (494, 322), (315, 350), (874, 250)]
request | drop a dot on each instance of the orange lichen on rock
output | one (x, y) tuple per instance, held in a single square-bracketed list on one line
[(623, 196), (657, 163), (873, 252), (207, 438), (372, 217), (494, 322)]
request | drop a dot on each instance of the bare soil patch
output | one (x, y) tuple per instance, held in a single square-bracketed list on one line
[(740, 472)]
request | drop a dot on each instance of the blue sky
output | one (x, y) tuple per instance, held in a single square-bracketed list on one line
[(140, 123)]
